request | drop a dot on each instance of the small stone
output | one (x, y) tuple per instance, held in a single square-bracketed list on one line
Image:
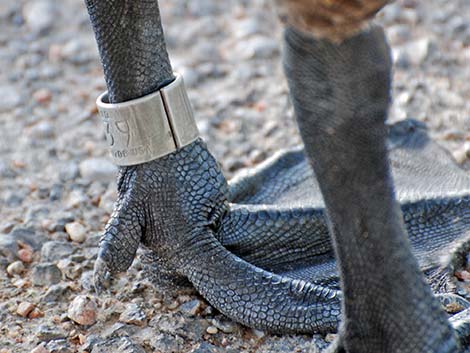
[(98, 169), (225, 326), (414, 53), (55, 293), (39, 15), (40, 349), (212, 330), (42, 95), (76, 231), (68, 171), (24, 309), (258, 333), (15, 268), (462, 154), (192, 307), (330, 337), (28, 236), (10, 98), (82, 310), (36, 313), (205, 347), (26, 254), (258, 47), (43, 130), (45, 274), (55, 250), (76, 198), (48, 333), (133, 315), (166, 343)]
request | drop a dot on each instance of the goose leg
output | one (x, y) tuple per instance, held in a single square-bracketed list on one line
[(341, 93)]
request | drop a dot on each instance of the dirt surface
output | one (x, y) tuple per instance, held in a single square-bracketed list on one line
[(57, 186)]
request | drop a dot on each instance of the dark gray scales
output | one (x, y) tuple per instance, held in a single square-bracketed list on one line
[(271, 231)]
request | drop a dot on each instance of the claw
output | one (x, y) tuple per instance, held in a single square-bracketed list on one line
[(101, 275)]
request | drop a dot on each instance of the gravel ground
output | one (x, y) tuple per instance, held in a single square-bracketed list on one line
[(57, 186)]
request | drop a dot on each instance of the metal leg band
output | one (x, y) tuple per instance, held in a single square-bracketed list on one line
[(149, 127)]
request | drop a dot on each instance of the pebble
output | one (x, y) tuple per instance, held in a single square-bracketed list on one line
[(8, 247), (46, 274), (26, 254), (212, 330), (166, 343), (24, 308), (49, 332), (98, 169), (133, 315), (205, 347), (39, 15), (10, 98), (330, 337), (76, 199), (43, 130), (462, 154), (121, 345), (68, 171), (29, 236), (42, 96), (15, 268), (258, 333), (191, 308), (258, 47), (55, 250), (55, 293), (225, 326), (76, 231), (414, 53), (82, 310)]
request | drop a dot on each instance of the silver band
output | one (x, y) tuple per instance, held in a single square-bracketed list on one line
[(149, 127)]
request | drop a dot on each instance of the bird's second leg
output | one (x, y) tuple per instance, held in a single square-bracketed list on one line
[(341, 93)]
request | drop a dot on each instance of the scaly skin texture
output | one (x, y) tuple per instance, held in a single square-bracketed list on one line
[(132, 48), (268, 262), (341, 95)]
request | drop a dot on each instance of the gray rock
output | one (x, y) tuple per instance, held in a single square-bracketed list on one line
[(98, 169), (226, 326), (68, 171), (166, 343), (191, 308), (133, 315), (49, 332), (10, 97), (121, 345), (8, 247), (29, 236), (43, 130), (5, 170), (59, 346), (414, 53), (45, 274), (39, 15), (208, 348), (258, 47), (9, 242), (55, 293), (55, 250), (36, 213)]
